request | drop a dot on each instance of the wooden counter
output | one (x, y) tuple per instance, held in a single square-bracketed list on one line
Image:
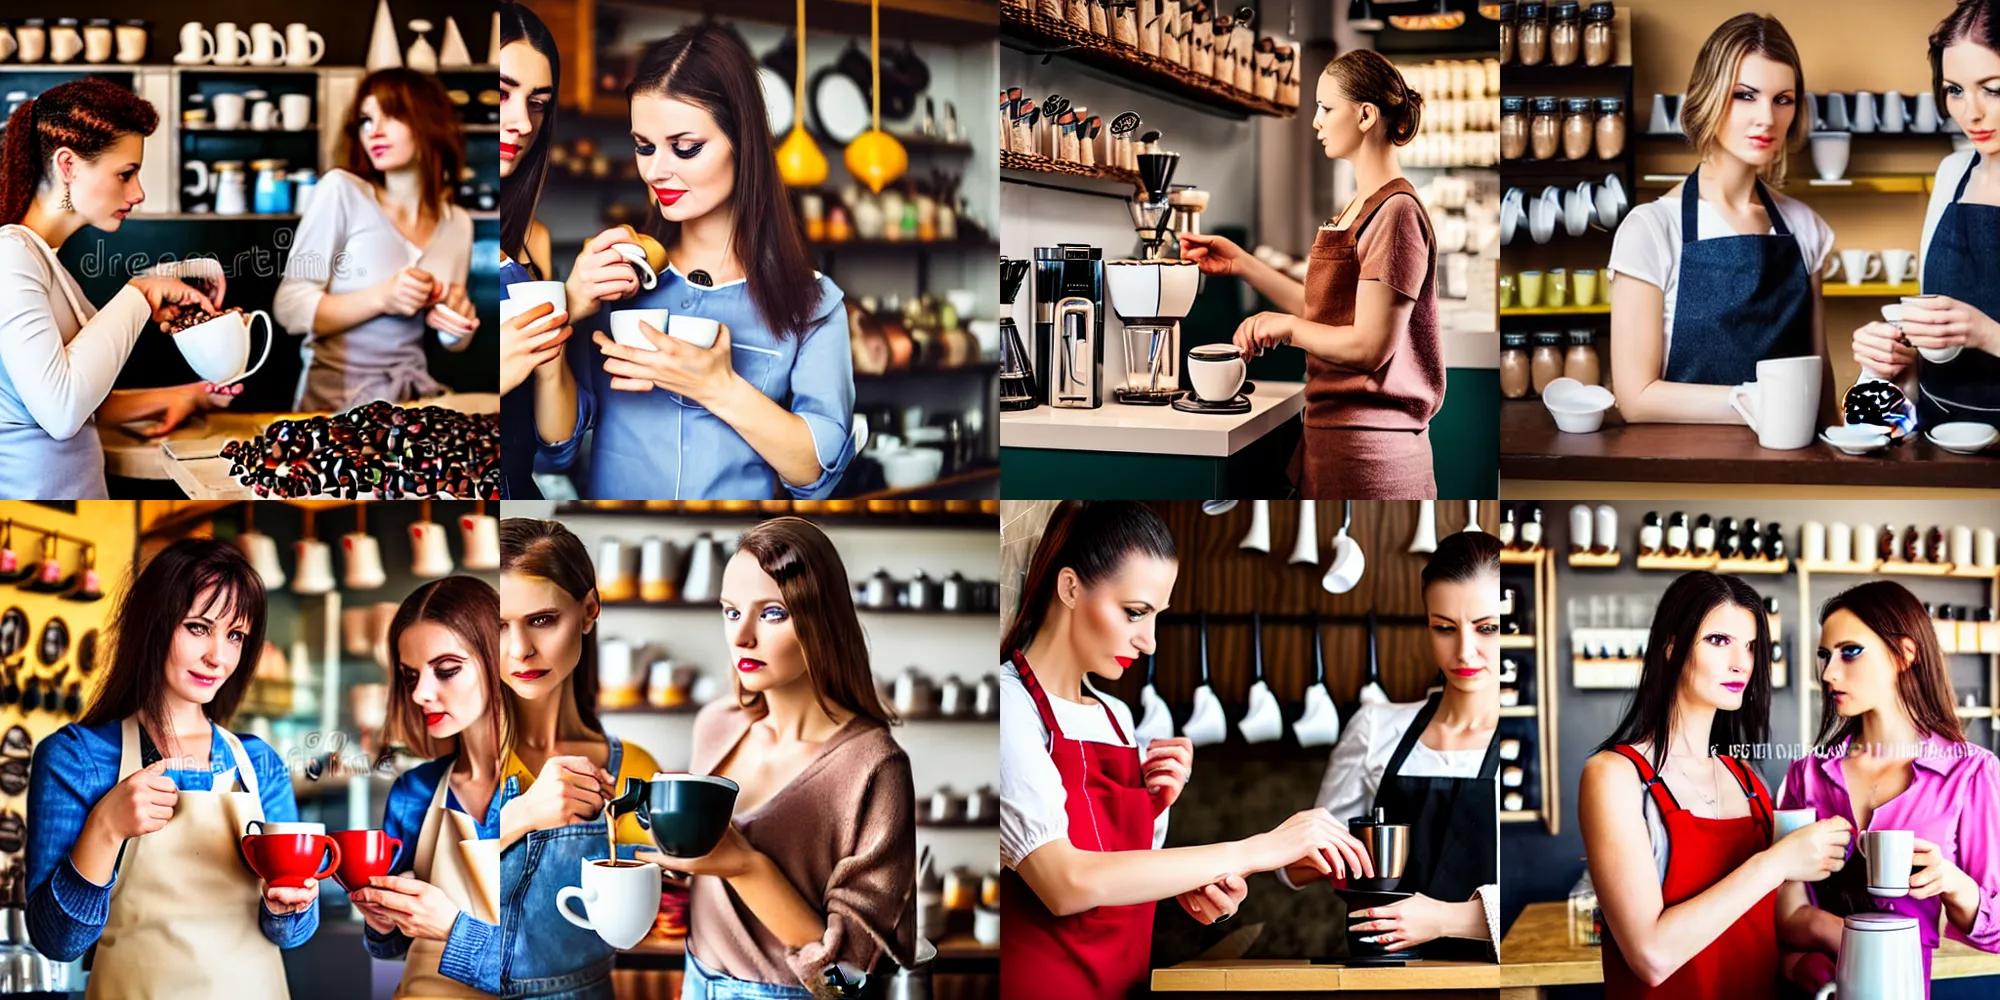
[(1536, 953), (1531, 448), (1296, 976)]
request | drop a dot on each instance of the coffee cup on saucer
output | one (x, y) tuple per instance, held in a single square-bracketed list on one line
[(1216, 372)]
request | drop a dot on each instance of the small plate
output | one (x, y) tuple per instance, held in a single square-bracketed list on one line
[(1856, 439), (1963, 437)]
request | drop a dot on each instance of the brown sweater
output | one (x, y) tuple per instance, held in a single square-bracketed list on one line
[(843, 832)]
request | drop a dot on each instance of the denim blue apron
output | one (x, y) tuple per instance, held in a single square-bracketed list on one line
[(1960, 263), (518, 440), (1742, 299), (548, 958), (700, 982)]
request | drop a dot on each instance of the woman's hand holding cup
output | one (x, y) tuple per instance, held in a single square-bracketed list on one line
[(675, 365), (141, 804), (410, 291), (1813, 852), (169, 297), (601, 273), (1881, 348), (1315, 837), (530, 340)]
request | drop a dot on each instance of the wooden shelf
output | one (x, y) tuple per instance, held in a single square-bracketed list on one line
[(1869, 290), (1896, 568), (1772, 567), (1520, 557), (1520, 816), (1030, 163), (1863, 184), (1594, 560), (1973, 572), (1850, 569), (1028, 31), (1598, 309), (1517, 711), (1976, 712), (1517, 642), (1676, 564)]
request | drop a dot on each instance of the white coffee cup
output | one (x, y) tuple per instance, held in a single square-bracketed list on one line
[(218, 349), (1216, 371), (1961, 545), (1785, 821), (1781, 404), (1814, 544), (625, 327), (65, 43), (636, 255), (7, 43), (619, 902), (228, 110), (131, 41), (430, 556), (315, 567), (1888, 853), (1263, 722), (1935, 355), (1926, 119), (197, 45), (530, 292), (97, 43), (1898, 266), (303, 47), (1830, 153), (1864, 112), (1864, 543), (33, 40), (1983, 548), (267, 46), (318, 829), (262, 551), (1856, 265), (1895, 114), (364, 561), (263, 115), (697, 330), (479, 535), (232, 46), (297, 111)]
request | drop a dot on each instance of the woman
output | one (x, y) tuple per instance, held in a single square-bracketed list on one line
[(1432, 765), (1367, 314), (381, 251), (768, 405), (1961, 239), (1722, 272), (1678, 834), (562, 764), (815, 880), (1081, 817), (1892, 756), (444, 912), (144, 791), (69, 159)]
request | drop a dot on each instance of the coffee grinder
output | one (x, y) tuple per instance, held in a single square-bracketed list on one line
[(1017, 380), (1069, 324), (1152, 214), (1389, 851)]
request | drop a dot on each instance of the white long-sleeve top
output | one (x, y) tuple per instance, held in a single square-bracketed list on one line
[(1033, 804)]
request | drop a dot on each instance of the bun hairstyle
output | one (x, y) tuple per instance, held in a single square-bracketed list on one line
[(86, 115), (1977, 21), (1365, 76), (1714, 80), (1092, 537), (1463, 557)]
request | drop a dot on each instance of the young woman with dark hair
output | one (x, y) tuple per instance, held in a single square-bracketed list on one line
[(1891, 755), (140, 796), (442, 909), (1082, 816), (1367, 314), (769, 404), (1434, 765), (69, 159), (814, 881), (382, 252), (562, 766), (1676, 827)]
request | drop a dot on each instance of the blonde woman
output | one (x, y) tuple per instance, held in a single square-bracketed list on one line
[(1722, 272)]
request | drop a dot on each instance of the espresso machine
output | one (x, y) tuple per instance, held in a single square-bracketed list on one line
[(1151, 296), (1017, 379), (1069, 324)]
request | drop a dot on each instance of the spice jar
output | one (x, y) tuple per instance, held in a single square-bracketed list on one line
[(1565, 33), (1581, 361), (1578, 129), (1547, 364), (1513, 128), (1610, 128), (1507, 29), (1531, 35), (1545, 129), (1598, 45), (1514, 378)]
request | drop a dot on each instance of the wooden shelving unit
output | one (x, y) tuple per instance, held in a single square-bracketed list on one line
[(1024, 29), (1031, 163), (1596, 560), (1869, 290), (1543, 709), (1712, 562), (1594, 309)]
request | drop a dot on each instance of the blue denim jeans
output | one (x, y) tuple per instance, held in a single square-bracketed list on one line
[(546, 957), (702, 983)]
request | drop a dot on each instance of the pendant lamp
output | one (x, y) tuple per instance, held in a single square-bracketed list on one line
[(1361, 16), (875, 158), (800, 163)]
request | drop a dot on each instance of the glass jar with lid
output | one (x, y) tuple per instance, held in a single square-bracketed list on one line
[(1565, 33), (1506, 16), (1531, 34), (1547, 364), (1581, 362), (1515, 380), (1578, 128), (1513, 128), (1545, 129), (1599, 46)]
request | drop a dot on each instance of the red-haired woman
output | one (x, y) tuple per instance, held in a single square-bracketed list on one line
[(70, 159), (382, 252)]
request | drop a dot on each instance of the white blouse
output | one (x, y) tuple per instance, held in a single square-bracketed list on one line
[(1032, 800)]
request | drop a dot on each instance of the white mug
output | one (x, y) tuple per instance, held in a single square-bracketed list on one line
[(625, 327), (64, 43), (218, 349), (228, 110), (96, 43), (315, 567), (263, 116), (296, 111), (1206, 723), (1263, 722), (1830, 153), (619, 902), (1864, 543), (1814, 544), (1983, 548), (1216, 374), (232, 46), (7, 44), (303, 47), (34, 42), (364, 561), (1961, 545), (697, 330), (1898, 266), (1895, 115), (267, 46), (1888, 853), (1781, 404), (1864, 112), (1926, 119), (262, 552), (132, 40), (1857, 265), (197, 45), (480, 536), (1785, 821), (429, 555), (1839, 544), (636, 255), (552, 292), (1936, 355)]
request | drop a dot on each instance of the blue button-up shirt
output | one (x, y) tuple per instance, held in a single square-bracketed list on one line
[(73, 768), (662, 445), (472, 952)]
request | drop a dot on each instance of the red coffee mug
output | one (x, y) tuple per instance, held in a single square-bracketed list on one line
[(288, 859), (364, 854)]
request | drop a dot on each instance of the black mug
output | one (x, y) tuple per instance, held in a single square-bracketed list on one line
[(686, 813)]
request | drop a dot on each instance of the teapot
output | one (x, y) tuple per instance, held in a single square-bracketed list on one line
[(1881, 958)]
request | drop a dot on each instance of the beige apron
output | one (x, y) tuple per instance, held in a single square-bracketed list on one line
[(184, 912), (451, 856)]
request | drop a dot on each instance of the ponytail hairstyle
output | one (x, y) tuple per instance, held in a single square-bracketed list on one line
[(1463, 558), (1889, 610), (1092, 537), (1365, 76), (1976, 21), (521, 190), (87, 116)]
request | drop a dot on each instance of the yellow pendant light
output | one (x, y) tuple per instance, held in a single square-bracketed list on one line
[(800, 163), (875, 158)]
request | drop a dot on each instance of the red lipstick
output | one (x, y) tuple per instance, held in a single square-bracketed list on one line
[(668, 196), (529, 675), (1467, 671), (1982, 136), (749, 666), (1734, 687), (509, 150), (433, 718), (1125, 661)]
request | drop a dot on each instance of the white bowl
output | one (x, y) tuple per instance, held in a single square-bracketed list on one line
[(1963, 437), (1577, 408), (1856, 439), (909, 467)]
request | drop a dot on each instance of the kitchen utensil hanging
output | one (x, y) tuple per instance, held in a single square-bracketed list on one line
[(1258, 538), (1214, 507), (1371, 692), (1263, 722), (1425, 541), (800, 162), (48, 578), (1472, 516), (1348, 560), (1305, 548), (1156, 721), (260, 549), (776, 78), (875, 157), (1320, 724), (13, 569), (1205, 724)]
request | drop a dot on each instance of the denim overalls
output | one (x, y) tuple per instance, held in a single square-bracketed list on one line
[(703, 983), (545, 957)]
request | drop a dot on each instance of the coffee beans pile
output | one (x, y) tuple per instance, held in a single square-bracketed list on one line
[(190, 316), (379, 448)]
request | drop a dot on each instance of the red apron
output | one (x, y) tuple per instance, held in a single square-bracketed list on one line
[(1743, 962), (1102, 953)]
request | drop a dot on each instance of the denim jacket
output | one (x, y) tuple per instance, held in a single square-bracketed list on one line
[(472, 952)]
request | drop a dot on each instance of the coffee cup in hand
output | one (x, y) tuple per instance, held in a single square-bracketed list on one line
[(625, 327)]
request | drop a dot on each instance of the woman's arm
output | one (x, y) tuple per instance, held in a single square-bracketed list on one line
[(286, 930), (407, 796), (1288, 295), (1803, 926), (173, 404), (61, 384), (303, 303), (1973, 909), (66, 909), (1638, 345), (1347, 786), (1381, 324)]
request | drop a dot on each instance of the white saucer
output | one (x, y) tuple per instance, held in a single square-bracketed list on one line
[(1963, 437), (1851, 440)]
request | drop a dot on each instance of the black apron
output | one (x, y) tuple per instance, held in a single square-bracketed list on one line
[(1454, 832), (1961, 263), (1741, 300)]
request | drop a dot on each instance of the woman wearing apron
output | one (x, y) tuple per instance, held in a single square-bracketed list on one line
[(139, 805), (1367, 314), (69, 159), (1677, 833), (1961, 240), (561, 767), (1892, 755), (381, 252), (813, 887), (1082, 817), (765, 407), (443, 910), (1722, 272), (1432, 765)]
